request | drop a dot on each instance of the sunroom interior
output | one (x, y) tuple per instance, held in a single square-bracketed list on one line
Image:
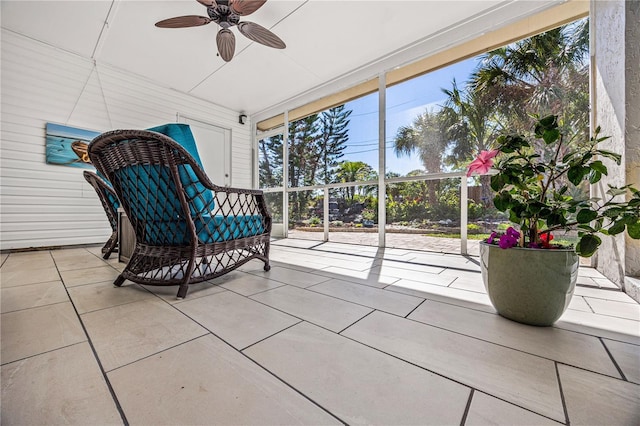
[(358, 320)]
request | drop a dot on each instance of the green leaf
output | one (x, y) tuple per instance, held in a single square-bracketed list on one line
[(535, 206), (614, 192), (594, 177), (547, 123), (599, 167), (556, 218), (588, 245), (550, 136), (502, 201), (634, 230), (586, 215), (612, 155), (613, 212), (497, 182), (576, 174), (617, 227)]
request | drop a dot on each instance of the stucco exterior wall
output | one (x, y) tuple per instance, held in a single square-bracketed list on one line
[(616, 44), (632, 128)]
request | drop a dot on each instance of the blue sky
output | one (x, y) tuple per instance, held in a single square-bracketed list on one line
[(404, 102)]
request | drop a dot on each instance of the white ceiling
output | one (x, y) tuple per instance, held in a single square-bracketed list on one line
[(330, 44)]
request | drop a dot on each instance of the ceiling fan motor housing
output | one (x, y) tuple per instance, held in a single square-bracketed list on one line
[(223, 13)]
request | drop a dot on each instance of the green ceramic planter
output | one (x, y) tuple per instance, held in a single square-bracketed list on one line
[(531, 286)]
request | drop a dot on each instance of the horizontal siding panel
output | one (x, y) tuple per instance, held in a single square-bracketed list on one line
[(22, 240), (75, 226), (27, 166), (77, 185), (39, 175), (65, 212), (41, 192), (30, 203), (51, 205)]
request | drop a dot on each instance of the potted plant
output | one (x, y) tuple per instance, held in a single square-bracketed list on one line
[(528, 277)]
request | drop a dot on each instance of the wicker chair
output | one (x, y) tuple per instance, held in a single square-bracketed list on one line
[(110, 204), (187, 229)]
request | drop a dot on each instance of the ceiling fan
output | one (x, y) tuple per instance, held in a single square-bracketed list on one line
[(227, 13)]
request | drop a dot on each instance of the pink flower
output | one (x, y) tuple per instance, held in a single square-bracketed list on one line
[(510, 239), (493, 235), (483, 163)]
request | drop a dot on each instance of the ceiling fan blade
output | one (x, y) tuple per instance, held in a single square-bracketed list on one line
[(245, 7), (261, 35), (207, 2), (226, 44), (183, 21)]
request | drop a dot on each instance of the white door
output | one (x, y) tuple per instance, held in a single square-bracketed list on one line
[(214, 148)]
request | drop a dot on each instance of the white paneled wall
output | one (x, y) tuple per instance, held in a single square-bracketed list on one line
[(45, 205)]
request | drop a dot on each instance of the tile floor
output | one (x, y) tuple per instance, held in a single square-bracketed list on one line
[(333, 334)]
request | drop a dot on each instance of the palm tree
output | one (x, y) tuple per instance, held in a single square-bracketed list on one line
[(544, 74), (425, 137), (470, 125), (353, 171)]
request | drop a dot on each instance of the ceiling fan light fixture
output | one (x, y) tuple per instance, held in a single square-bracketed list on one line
[(226, 13)]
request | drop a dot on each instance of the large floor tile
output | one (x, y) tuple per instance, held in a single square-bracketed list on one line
[(594, 293), (605, 283), (32, 295), (359, 385), (387, 301), (26, 276), (237, 320), (469, 284), (292, 242), (589, 272), (33, 331), (435, 259), (579, 304), (69, 253), (522, 379), (64, 386), (27, 261), (449, 295), (486, 410), (292, 277), (248, 284), (93, 297), (89, 276), (206, 382), (286, 260), (80, 261), (593, 399), (627, 357), (358, 277), (127, 333), (317, 308), (559, 345), (614, 328), (615, 309), (427, 274), (169, 293)]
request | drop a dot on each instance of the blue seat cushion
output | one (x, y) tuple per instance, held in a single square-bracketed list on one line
[(211, 229)]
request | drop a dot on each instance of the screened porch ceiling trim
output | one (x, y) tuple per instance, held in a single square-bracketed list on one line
[(530, 26)]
